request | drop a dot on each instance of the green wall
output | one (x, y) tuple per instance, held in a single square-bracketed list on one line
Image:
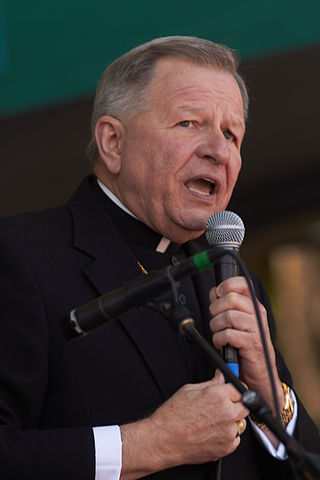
[(53, 51)]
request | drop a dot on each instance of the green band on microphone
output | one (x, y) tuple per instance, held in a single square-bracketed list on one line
[(201, 260)]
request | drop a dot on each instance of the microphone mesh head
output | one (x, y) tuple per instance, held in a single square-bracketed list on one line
[(225, 229)]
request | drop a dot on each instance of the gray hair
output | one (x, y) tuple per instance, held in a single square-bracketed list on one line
[(123, 86)]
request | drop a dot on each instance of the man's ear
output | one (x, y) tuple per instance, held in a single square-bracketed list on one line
[(109, 134)]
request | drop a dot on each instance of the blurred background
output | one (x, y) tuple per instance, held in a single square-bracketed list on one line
[(51, 56)]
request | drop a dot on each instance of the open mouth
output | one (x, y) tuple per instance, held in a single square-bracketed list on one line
[(201, 186)]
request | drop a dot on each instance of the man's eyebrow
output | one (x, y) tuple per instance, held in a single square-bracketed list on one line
[(234, 120), (237, 123)]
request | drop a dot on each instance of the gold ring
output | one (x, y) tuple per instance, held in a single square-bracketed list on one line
[(241, 427)]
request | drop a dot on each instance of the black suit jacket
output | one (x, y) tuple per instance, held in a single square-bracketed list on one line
[(52, 392)]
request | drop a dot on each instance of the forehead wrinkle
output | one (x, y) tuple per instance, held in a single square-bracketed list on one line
[(193, 96)]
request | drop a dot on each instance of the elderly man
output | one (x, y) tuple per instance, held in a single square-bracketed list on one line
[(168, 122)]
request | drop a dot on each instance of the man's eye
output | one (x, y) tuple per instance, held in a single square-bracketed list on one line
[(185, 123), (229, 135)]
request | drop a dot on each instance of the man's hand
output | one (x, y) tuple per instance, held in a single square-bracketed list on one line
[(196, 425), (234, 322)]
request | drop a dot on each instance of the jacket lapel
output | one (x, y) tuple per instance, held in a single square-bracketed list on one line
[(111, 265)]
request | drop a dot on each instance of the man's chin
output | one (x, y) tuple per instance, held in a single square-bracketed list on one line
[(195, 226)]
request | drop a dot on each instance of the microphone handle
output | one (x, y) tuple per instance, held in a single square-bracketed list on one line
[(224, 268)]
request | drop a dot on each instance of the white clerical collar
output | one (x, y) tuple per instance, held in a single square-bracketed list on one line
[(164, 242)]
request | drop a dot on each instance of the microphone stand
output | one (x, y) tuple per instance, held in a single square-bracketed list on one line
[(306, 465)]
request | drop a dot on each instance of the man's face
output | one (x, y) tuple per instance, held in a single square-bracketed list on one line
[(181, 158)]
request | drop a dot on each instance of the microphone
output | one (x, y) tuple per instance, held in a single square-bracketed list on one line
[(225, 230), (133, 294)]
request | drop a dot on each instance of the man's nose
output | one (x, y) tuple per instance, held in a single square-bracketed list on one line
[(215, 147)]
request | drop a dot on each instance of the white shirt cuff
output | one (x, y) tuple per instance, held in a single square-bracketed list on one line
[(108, 447), (280, 453)]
